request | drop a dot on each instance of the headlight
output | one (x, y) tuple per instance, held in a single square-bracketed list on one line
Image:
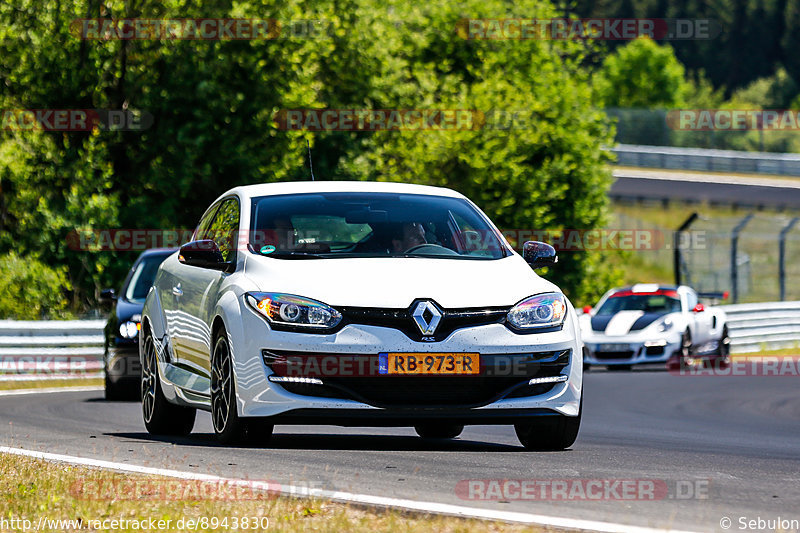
[(666, 325), (538, 312), (290, 310), (129, 329)]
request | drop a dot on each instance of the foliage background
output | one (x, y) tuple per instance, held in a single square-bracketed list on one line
[(214, 103)]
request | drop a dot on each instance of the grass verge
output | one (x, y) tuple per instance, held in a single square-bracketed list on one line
[(49, 383), (34, 489)]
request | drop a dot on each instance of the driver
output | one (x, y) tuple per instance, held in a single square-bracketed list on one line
[(413, 235)]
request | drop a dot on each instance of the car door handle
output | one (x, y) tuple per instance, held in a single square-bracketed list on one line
[(176, 290)]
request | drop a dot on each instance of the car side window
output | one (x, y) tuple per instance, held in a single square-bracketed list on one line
[(225, 228), (203, 227), (691, 300)]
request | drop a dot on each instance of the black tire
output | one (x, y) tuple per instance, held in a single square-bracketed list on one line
[(229, 427), (114, 392), (722, 354), (438, 431), (160, 416), (686, 345), (550, 433)]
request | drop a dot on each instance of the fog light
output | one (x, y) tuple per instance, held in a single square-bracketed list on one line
[(550, 379), (292, 379), (650, 344)]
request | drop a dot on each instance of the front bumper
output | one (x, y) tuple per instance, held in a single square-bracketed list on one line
[(123, 364), (630, 349), (257, 396)]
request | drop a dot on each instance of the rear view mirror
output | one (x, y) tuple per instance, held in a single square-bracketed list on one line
[(539, 254), (203, 254), (699, 308)]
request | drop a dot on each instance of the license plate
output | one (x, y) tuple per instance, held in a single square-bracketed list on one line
[(613, 347), (429, 363)]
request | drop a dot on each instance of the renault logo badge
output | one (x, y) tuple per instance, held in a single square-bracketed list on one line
[(427, 317)]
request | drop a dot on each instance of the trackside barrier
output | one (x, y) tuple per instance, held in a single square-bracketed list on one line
[(50, 347), (665, 157), (763, 326)]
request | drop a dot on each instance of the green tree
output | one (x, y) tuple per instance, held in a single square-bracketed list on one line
[(642, 74), (31, 289)]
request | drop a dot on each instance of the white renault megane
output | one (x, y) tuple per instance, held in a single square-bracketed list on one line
[(358, 304)]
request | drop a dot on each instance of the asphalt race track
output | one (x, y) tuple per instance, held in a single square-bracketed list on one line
[(739, 437)]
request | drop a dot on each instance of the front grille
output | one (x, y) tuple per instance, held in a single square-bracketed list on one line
[(412, 391), (613, 355), (400, 319)]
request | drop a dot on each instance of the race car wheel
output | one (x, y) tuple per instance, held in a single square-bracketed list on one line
[(723, 351), (686, 345), (229, 427), (160, 416), (550, 433), (439, 431)]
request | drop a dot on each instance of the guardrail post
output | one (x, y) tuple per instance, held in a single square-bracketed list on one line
[(734, 248), (782, 256), (676, 245)]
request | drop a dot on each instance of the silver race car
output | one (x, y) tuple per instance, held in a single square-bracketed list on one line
[(649, 323)]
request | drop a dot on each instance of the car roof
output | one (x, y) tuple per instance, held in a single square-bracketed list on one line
[(648, 287), (301, 187)]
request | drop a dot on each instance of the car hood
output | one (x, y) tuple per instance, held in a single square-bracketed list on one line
[(623, 322), (397, 282)]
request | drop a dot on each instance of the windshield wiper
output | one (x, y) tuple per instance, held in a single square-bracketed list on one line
[(294, 255)]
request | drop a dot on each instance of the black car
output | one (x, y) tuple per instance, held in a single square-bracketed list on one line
[(121, 357)]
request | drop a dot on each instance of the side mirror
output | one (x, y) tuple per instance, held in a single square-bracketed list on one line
[(203, 254), (587, 309), (108, 296), (539, 254), (699, 308)]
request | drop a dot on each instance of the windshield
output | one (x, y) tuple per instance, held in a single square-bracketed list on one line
[(143, 277), (661, 303), (333, 225)]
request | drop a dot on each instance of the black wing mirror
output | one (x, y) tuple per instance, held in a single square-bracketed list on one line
[(539, 254), (203, 254), (108, 296)]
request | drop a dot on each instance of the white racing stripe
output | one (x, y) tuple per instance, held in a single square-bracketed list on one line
[(346, 497), (620, 324)]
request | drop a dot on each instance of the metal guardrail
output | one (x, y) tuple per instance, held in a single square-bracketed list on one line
[(665, 157), (756, 327), (51, 347)]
